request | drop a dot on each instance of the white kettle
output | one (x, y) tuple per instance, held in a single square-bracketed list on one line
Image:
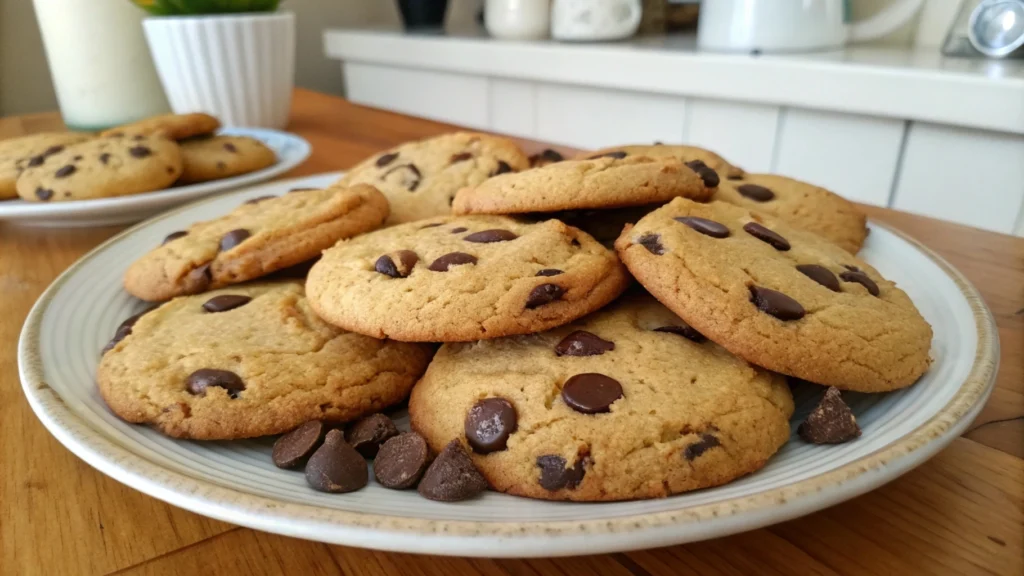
[(793, 25)]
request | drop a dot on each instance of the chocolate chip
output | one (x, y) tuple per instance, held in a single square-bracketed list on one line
[(684, 330), (386, 159), (618, 155), (230, 147), (821, 275), (705, 226), (37, 161), (295, 447), (860, 278), (336, 467), (432, 225), (259, 199), (138, 137), (706, 442), (44, 194), (583, 343), (489, 236), (76, 158), (764, 234), (302, 190), (452, 477), (53, 150), (459, 230), (460, 157), (198, 381), (548, 156), (401, 461), (776, 303), (412, 178), (65, 171), (368, 433), (174, 236), (544, 294), (591, 393), (198, 280), (444, 263), (489, 423), (555, 476), (225, 302), (502, 168), (831, 422), (755, 192), (125, 329), (549, 272), (652, 242), (105, 157), (233, 238), (397, 265), (706, 173), (140, 151)]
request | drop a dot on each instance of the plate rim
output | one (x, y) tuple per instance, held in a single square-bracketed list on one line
[(506, 538)]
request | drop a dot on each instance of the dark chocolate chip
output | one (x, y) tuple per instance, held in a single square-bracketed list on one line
[(684, 330), (555, 476), (53, 150), (174, 236), (583, 343), (549, 272), (488, 236), (821, 275), (138, 137), (460, 157), (412, 180), (226, 302), (233, 238), (397, 265), (860, 278), (367, 434), (139, 151), (452, 476), (548, 156), (336, 467), (65, 171), (617, 154), (831, 422), (38, 161), (459, 230), (444, 263), (591, 393), (44, 194), (294, 448), (386, 159), (706, 442), (489, 423), (259, 199), (76, 158), (230, 147), (502, 168), (199, 381), (755, 192), (125, 329), (198, 280), (652, 242), (773, 238), (776, 303), (544, 294), (706, 173), (401, 461), (705, 226)]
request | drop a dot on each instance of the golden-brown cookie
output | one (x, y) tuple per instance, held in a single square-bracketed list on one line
[(223, 156), (17, 154), (173, 126), (681, 152)]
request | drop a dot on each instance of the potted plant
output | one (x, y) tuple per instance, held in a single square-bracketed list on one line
[(234, 59)]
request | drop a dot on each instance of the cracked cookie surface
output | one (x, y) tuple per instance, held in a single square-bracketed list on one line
[(420, 179), (250, 360), (680, 151), (600, 183), (467, 278), (259, 237), (625, 403), (779, 297)]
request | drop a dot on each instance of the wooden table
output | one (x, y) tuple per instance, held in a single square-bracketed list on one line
[(960, 513)]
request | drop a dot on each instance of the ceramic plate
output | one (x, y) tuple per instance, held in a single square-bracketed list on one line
[(236, 482), (291, 150)]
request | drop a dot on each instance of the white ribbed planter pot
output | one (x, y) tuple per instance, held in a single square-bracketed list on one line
[(238, 67)]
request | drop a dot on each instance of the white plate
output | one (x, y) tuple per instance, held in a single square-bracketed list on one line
[(291, 150), (236, 482)]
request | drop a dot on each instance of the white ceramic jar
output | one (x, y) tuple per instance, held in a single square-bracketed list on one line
[(518, 19), (595, 20)]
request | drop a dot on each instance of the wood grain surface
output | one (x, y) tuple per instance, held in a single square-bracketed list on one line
[(960, 513)]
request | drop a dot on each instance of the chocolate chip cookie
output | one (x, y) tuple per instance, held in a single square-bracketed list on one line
[(778, 296), (627, 403), (261, 236), (215, 157), (421, 178), (102, 168), (460, 279), (800, 204), (687, 154), (17, 154), (600, 183), (248, 361), (173, 126)]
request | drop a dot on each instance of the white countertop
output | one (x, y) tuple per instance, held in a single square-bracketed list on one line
[(916, 85)]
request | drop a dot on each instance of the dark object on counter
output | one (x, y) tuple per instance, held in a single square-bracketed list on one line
[(422, 14)]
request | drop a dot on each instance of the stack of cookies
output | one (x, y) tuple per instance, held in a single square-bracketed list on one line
[(145, 156), (557, 377)]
